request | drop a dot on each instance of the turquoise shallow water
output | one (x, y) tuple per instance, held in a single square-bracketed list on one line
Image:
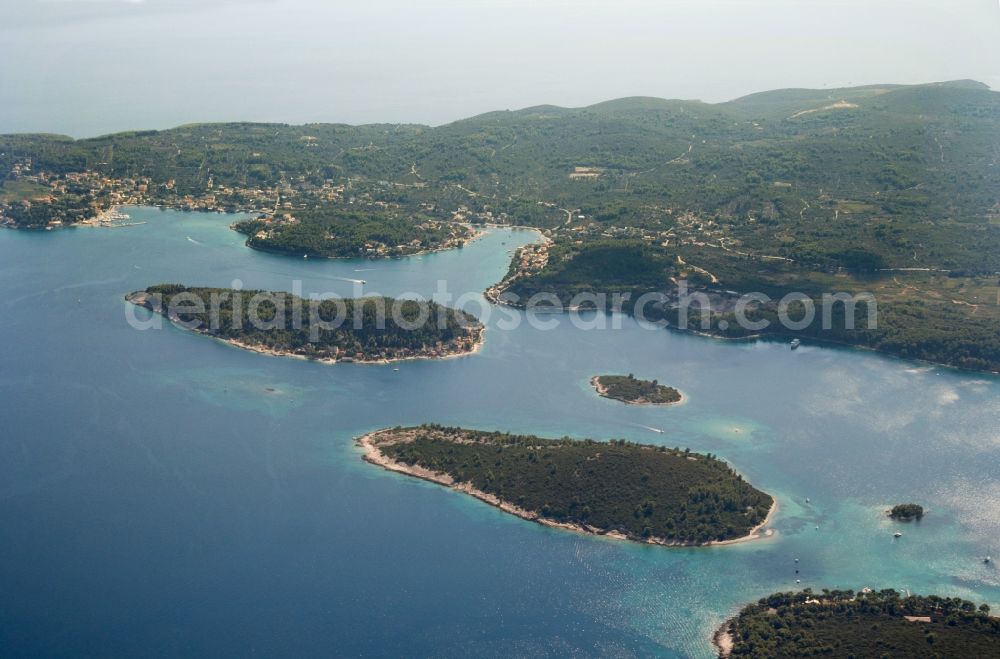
[(161, 493)]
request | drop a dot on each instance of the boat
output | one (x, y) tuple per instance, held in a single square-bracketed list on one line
[(897, 534), (795, 343), (987, 559)]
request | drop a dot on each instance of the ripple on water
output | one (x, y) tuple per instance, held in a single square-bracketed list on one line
[(237, 388), (349, 544), (729, 429)]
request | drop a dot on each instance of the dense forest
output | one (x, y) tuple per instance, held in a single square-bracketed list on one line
[(328, 233), (363, 329), (644, 492), (629, 389), (867, 624)]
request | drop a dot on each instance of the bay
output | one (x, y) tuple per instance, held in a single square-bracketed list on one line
[(165, 494)]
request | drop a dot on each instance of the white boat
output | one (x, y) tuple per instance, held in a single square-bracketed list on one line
[(897, 534), (795, 343), (987, 559)]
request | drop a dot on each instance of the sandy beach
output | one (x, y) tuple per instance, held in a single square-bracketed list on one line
[(755, 532), (722, 639)]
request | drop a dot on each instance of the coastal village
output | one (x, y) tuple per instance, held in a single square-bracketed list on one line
[(47, 200), (83, 197)]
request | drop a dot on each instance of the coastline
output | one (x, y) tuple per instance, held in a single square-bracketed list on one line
[(755, 532), (722, 639), (371, 454), (476, 234), (493, 293), (477, 344), (106, 218), (603, 393)]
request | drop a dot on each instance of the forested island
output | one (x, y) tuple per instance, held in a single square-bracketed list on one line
[(629, 389), (650, 494), (866, 624), (907, 511), (331, 234), (887, 189), (369, 329)]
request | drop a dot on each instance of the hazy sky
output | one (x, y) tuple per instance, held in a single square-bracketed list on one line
[(85, 67)]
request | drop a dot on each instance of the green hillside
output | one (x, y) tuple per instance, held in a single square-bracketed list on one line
[(892, 189)]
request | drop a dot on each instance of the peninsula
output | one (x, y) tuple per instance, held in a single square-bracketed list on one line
[(866, 624), (778, 193), (370, 329), (624, 490), (631, 390)]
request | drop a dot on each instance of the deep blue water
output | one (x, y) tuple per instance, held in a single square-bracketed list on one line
[(165, 494)]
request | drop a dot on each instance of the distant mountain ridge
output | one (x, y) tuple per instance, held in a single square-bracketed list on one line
[(748, 104)]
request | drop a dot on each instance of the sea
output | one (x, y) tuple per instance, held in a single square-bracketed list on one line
[(165, 494)]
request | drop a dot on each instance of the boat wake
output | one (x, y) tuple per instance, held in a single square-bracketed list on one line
[(85, 284)]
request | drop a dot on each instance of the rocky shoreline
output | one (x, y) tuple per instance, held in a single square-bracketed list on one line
[(603, 392), (470, 347)]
